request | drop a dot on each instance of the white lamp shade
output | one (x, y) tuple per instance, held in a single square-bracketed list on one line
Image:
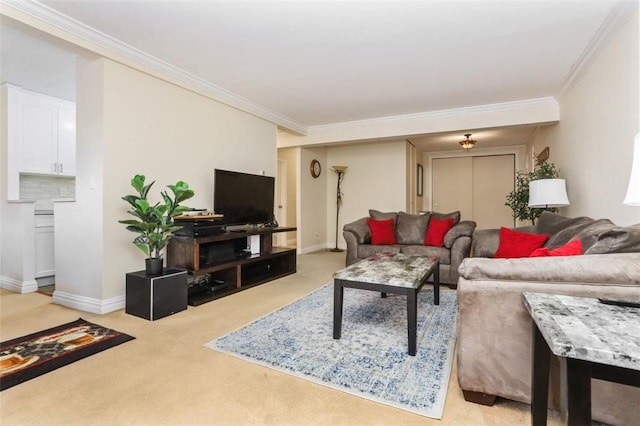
[(548, 193), (633, 191)]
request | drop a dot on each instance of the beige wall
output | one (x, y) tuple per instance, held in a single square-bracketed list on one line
[(79, 228), (312, 201), (376, 179), (147, 126), (593, 142)]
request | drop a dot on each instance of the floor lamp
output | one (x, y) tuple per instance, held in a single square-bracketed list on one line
[(340, 171), (633, 191)]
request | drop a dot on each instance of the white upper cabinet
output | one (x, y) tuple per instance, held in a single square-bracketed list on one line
[(67, 140), (48, 144)]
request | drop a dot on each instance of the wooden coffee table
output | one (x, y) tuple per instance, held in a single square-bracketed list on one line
[(388, 273)]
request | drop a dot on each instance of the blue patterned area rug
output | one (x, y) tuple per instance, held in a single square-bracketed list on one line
[(370, 359)]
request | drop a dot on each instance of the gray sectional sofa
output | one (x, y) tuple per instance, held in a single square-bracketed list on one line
[(410, 230), (495, 330)]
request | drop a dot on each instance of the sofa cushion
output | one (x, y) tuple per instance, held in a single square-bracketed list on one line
[(461, 229), (378, 215), (366, 250), (436, 231), (453, 215), (518, 244), (420, 250), (572, 248), (618, 240), (382, 232), (411, 228)]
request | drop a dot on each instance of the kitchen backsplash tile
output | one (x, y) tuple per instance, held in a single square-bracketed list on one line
[(41, 187)]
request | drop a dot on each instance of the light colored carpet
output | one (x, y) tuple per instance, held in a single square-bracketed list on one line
[(167, 377), (370, 360)]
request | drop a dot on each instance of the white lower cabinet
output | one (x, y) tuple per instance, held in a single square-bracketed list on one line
[(44, 246)]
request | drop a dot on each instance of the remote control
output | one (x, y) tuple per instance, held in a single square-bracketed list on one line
[(628, 303)]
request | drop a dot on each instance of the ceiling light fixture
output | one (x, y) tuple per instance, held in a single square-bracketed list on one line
[(467, 144)]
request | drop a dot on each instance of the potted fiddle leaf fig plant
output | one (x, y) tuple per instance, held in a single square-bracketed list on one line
[(154, 224)]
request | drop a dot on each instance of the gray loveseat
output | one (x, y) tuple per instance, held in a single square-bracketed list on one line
[(410, 233), (494, 328)]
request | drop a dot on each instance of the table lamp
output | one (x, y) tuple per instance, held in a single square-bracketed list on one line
[(544, 193)]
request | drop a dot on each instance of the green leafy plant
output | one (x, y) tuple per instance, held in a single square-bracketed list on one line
[(518, 199), (154, 223)]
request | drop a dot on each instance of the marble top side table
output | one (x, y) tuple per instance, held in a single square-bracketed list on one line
[(591, 339)]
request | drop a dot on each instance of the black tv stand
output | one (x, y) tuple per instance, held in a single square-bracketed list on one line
[(218, 256)]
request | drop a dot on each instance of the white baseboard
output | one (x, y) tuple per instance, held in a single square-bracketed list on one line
[(312, 249), (18, 286), (319, 247), (88, 304)]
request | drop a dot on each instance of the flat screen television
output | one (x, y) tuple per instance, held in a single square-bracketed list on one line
[(243, 198)]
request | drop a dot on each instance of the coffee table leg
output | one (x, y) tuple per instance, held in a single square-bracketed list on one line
[(338, 294), (436, 285), (412, 320)]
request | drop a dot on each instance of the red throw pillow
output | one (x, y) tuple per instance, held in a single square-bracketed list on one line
[(572, 248), (436, 231), (518, 244), (382, 232)]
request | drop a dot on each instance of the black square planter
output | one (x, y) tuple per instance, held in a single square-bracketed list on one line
[(156, 296)]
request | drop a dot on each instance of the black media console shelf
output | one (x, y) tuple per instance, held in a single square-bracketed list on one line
[(223, 264)]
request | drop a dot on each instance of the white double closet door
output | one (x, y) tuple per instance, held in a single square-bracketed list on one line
[(477, 186)]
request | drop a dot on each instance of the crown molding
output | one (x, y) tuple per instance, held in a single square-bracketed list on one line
[(117, 50), (619, 15), (397, 119)]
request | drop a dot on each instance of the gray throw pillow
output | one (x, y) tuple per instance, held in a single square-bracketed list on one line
[(589, 234), (411, 228), (569, 232), (550, 223), (618, 240), (378, 215), (455, 215), (485, 242)]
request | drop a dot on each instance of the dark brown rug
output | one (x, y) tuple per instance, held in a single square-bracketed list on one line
[(31, 356)]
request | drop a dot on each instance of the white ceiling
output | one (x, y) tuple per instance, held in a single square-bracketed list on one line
[(326, 62)]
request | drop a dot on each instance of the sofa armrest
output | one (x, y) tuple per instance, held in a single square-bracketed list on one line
[(355, 233), (460, 229), (459, 251), (360, 230), (352, 247)]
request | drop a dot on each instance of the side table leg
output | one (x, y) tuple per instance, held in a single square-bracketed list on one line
[(577, 374), (539, 378), (412, 320), (338, 294)]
